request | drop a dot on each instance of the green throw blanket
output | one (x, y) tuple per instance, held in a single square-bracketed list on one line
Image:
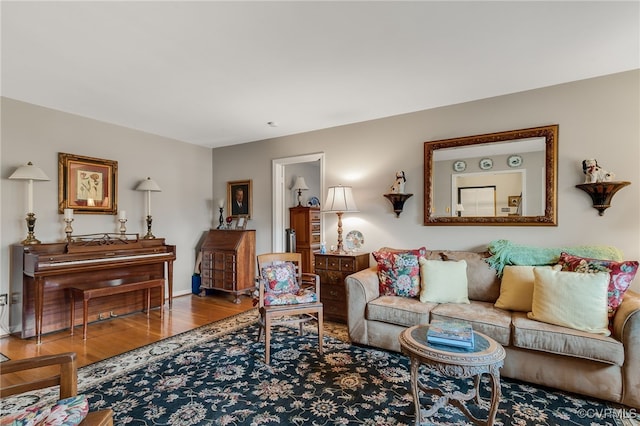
[(504, 252)]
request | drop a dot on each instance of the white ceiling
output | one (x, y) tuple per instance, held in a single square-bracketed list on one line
[(215, 73)]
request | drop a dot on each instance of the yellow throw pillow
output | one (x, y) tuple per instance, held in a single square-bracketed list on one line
[(516, 289), (571, 299), (443, 281)]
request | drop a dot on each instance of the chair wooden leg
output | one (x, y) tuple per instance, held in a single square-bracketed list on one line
[(320, 332), (267, 339), (261, 326)]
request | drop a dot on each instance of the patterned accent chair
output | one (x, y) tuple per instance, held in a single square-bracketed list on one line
[(286, 295)]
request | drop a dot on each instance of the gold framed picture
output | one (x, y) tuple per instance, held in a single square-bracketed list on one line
[(239, 198), (87, 184)]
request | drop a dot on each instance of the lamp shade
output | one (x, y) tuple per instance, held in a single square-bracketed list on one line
[(29, 172), (148, 185), (340, 199), (300, 184)]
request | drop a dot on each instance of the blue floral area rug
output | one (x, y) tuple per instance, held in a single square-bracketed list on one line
[(215, 375)]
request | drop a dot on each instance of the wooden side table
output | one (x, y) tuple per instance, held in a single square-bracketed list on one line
[(487, 357), (333, 269)]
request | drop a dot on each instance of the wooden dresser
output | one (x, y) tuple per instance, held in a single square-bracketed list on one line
[(306, 222), (229, 261), (333, 269)]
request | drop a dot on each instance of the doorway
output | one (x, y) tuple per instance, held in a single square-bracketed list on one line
[(280, 191)]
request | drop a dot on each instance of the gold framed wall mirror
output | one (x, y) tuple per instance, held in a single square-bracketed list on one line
[(520, 167)]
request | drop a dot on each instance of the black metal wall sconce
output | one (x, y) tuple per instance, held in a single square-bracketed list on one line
[(398, 201), (601, 193)]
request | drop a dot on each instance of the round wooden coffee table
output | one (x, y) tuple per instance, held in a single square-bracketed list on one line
[(487, 357)]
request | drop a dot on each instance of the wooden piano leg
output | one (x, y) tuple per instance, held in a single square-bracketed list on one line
[(170, 282), (39, 308)]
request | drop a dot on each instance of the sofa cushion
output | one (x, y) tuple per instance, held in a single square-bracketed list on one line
[(516, 289), (398, 272), (621, 275), (540, 336), (483, 283), (399, 310), (571, 299), (443, 282), (483, 316)]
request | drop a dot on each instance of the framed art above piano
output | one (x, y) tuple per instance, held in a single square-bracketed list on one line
[(87, 184)]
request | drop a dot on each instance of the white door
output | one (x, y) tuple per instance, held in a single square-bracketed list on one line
[(478, 201)]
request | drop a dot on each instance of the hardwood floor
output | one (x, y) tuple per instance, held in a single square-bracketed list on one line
[(118, 335)]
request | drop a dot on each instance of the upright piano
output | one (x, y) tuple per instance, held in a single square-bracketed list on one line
[(42, 272)]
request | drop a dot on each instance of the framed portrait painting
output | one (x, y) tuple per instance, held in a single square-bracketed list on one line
[(87, 184), (239, 198)]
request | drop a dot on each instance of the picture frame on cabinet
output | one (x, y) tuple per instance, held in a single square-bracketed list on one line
[(240, 223), (87, 184)]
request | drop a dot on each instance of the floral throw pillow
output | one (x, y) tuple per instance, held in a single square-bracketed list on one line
[(399, 272), (30, 416), (280, 278), (621, 275), (68, 412)]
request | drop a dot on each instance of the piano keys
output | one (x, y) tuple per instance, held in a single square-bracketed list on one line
[(41, 274)]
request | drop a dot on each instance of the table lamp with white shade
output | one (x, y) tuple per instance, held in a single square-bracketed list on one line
[(29, 172), (340, 200), (300, 186), (148, 185)]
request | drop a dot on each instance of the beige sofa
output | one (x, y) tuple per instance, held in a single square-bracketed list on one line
[(563, 358)]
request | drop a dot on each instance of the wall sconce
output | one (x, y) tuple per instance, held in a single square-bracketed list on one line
[(601, 193), (398, 201), (29, 172), (148, 185), (300, 186), (340, 200)]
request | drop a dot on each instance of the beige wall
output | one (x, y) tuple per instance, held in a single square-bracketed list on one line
[(181, 212), (598, 118)]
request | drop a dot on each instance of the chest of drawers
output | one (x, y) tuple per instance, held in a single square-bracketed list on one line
[(333, 269), (229, 261)]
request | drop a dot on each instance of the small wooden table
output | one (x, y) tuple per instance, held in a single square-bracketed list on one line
[(487, 357)]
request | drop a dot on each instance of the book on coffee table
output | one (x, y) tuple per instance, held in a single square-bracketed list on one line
[(451, 333)]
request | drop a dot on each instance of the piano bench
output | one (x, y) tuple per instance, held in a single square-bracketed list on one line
[(87, 294)]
